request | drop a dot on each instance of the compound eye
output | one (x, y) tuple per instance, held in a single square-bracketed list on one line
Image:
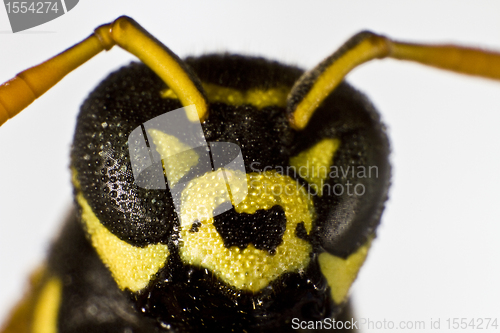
[(343, 153), (104, 165), (343, 156)]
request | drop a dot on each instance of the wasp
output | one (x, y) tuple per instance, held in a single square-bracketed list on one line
[(281, 237)]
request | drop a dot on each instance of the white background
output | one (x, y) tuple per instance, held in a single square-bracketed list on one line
[(436, 254)]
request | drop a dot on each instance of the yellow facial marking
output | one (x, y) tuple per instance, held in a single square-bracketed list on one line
[(249, 269), (47, 307), (132, 267), (340, 273), (167, 146), (259, 98), (313, 164)]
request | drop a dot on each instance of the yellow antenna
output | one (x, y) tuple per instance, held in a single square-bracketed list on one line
[(19, 92), (314, 86)]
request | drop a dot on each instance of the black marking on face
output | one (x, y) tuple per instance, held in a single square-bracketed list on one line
[(264, 229), (301, 232), (195, 226)]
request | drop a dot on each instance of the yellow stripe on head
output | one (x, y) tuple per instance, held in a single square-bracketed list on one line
[(132, 267), (167, 146), (256, 97), (340, 273), (313, 164)]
